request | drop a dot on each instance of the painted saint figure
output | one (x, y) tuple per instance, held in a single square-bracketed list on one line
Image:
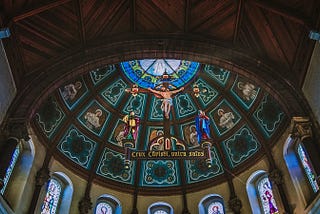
[(93, 119), (193, 136), (166, 96), (215, 210), (202, 126), (132, 126), (248, 90), (226, 119), (70, 91), (268, 197)]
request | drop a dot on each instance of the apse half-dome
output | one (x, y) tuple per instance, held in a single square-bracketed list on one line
[(82, 121)]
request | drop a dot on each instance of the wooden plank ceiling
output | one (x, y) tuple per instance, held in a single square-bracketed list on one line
[(275, 31)]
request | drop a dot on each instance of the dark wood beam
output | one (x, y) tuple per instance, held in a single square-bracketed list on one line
[(282, 11), (238, 20), (133, 16), (37, 10), (186, 15), (220, 12), (273, 38), (80, 23)]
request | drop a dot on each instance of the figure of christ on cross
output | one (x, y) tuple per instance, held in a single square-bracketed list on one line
[(164, 93), (166, 96)]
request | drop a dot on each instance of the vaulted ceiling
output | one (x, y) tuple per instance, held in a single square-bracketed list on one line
[(44, 31), (53, 42)]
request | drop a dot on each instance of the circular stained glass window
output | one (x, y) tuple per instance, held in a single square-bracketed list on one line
[(148, 73), (103, 208)]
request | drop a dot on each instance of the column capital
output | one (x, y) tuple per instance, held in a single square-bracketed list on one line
[(16, 128), (276, 177), (134, 211), (235, 204), (85, 205), (42, 176), (301, 128)]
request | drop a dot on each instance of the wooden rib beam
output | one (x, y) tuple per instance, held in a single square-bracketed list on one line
[(238, 20), (80, 23), (280, 10), (133, 16), (34, 11), (186, 15)]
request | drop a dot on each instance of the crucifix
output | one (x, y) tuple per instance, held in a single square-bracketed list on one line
[(163, 92)]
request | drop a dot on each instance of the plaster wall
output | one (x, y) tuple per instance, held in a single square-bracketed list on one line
[(79, 184), (311, 86), (7, 87), (21, 186)]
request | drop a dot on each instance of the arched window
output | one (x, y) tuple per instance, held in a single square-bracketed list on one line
[(261, 194), (302, 173), (211, 204), (12, 164), (17, 175), (160, 208), (108, 204), (52, 197), (307, 166), (57, 195), (266, 197)]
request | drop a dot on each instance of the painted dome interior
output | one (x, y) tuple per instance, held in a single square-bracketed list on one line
[(94, 147)]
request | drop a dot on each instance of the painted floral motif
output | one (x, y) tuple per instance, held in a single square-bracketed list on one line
[(198, 169), (220, 75), (269, 115), (77, 147), (241, 146), (112, 166), (159, 172), (50, 116), (99, 74)]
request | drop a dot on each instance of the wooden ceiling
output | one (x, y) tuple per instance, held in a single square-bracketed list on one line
[(44, 32)]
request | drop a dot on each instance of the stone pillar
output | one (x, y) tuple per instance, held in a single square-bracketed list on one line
[(42, 178), (275, 176)]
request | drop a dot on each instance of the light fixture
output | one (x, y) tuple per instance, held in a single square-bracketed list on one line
[(4, 33), (314, 35)]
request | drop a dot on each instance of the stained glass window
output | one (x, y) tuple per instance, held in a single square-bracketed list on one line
[(9, 171), (266, 196), (52, 197), (215, 208), (103, 208), (160, 212), (147, 73), (308, 168)]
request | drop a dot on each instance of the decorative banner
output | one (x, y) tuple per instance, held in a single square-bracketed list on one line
[(167, 155)]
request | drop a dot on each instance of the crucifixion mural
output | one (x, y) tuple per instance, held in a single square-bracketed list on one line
[(165, 91)]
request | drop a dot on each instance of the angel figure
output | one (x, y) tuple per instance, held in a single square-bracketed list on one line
[(93, 119), (248, 90), (226, 119)]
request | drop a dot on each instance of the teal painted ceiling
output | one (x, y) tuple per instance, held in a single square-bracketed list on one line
[(83, 121)]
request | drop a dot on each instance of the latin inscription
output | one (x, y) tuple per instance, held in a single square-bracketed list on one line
[(167, 154)]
